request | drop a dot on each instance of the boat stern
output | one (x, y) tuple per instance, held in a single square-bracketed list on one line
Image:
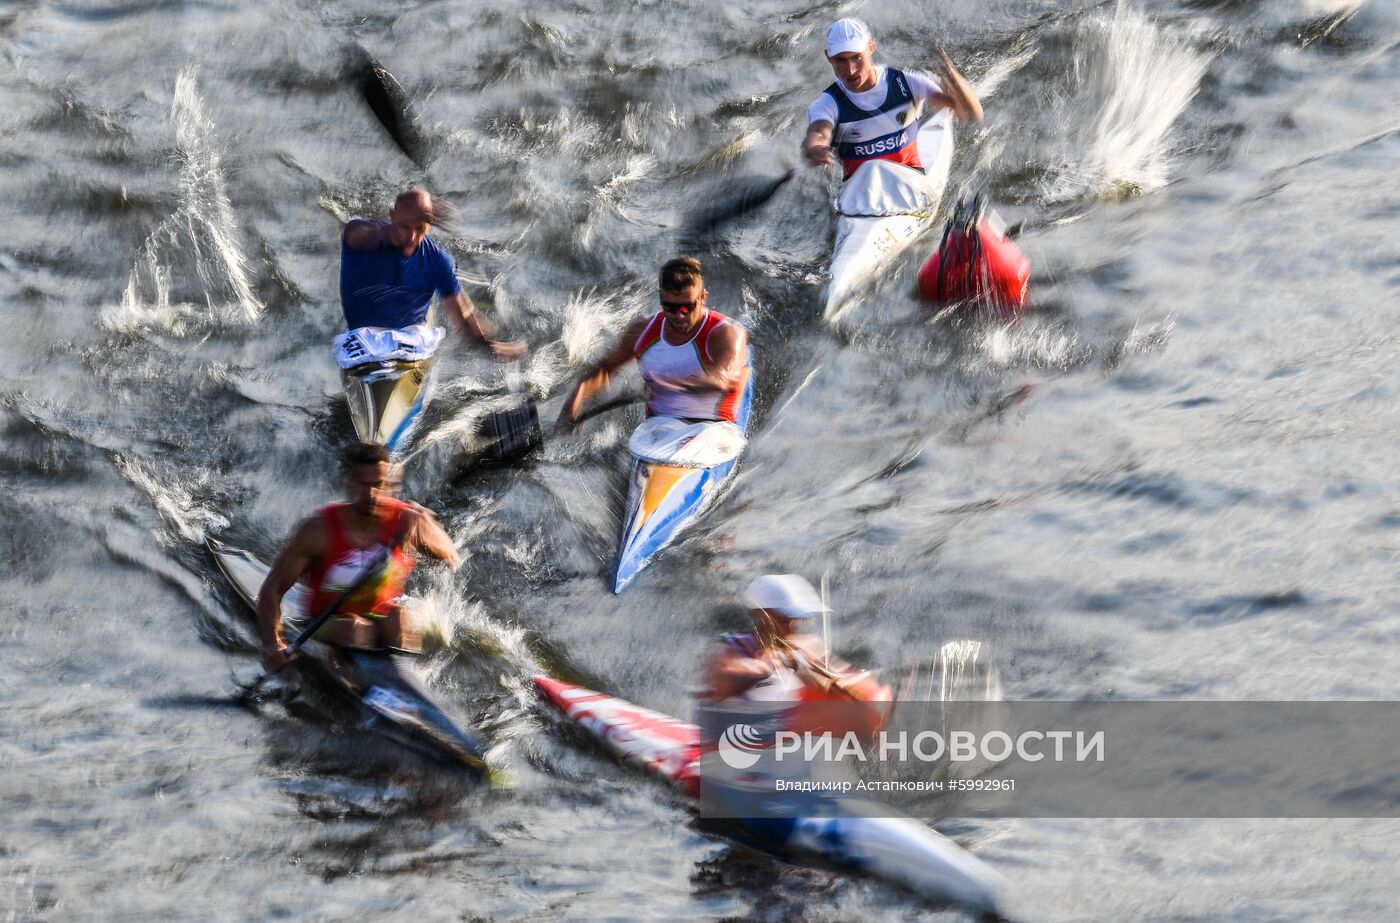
[(386, 399)]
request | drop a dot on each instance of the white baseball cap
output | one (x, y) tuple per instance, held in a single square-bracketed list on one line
[(847, 35), (787, 594)]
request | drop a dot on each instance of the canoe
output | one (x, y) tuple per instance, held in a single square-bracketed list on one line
[(869, 240), (678, 468), (391, 701), (387, 377), (898, 850)]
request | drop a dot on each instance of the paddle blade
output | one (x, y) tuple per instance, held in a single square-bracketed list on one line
[(512, 433), (746, 201), (387, 99)]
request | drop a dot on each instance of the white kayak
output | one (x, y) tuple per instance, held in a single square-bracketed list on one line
[(899, 850), (882, 210), (678, 468)]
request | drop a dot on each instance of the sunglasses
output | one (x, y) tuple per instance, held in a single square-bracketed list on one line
[(680, 307)]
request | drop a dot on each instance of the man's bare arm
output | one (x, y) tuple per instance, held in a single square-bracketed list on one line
[(957, 92), (596, 380), (307, 543), (427, 535), (475, 327), (727, 367), (728, 673)]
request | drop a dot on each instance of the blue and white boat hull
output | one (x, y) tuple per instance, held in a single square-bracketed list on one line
[(669, 491)]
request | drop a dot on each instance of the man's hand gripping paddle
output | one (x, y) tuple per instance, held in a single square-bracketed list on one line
[(247, 695)]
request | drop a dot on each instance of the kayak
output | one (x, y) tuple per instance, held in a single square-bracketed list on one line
[(875, 225), (391, 700), (678, 468), (387, 377), (898, 850), (387, 399)]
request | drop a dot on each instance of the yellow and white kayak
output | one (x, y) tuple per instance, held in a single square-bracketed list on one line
[(387, 376)]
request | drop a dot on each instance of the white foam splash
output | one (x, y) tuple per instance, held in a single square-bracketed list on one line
[(1134, 80), (1332, 7), (461, 626), (961, 671), (173, 501), (202, 234), (590, 320), (1002, 70), (966, 672), (1001, 346)]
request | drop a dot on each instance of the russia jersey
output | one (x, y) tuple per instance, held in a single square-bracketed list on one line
[(889, 132)]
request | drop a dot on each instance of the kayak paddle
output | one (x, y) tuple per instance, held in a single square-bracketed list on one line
[(245, 695), (622, 400), (747, 200)]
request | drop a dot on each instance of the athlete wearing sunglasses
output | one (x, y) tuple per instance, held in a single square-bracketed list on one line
[(693, 359)]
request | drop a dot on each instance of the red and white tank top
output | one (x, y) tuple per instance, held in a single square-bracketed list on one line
[(666, 367), (343, 565)]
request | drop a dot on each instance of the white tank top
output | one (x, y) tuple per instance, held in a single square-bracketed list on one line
[(667, 367)]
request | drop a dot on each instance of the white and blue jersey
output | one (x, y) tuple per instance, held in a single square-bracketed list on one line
[(881, 123)]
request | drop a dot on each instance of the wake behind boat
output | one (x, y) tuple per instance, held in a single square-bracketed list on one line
[(883, 210), (392, 702), (898, 850)]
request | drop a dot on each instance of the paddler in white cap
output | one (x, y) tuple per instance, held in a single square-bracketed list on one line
[(777, 661), (871, 112)]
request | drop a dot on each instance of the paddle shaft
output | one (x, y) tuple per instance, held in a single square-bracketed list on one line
[(839, 681), (623, 400), (306, 633)]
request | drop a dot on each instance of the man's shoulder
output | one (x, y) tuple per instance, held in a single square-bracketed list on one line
[(638, 325), (434, 251), (921, 81), (312, 533), (725, 325), (365, 234)]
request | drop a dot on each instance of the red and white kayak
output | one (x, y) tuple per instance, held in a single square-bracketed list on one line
[(894, 849)]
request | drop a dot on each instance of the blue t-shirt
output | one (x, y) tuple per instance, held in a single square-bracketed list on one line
[(384, 288)]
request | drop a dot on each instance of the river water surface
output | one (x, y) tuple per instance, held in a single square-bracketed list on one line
[(1198, 498)]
